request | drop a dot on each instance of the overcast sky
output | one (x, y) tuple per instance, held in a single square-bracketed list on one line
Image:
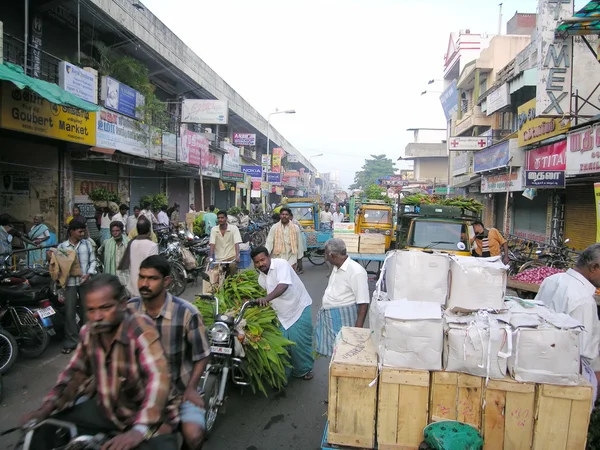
[(353, 70)]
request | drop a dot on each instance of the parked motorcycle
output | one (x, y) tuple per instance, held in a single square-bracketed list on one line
[(225, 347)]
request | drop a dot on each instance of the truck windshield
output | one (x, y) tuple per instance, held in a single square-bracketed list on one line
[(437, 235), (379, 216), (302, 213)]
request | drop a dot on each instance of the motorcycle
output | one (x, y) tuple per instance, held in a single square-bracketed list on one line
[(226, 359), (8, 350)]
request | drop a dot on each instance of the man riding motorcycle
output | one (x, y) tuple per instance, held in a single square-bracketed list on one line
[(118, 381)]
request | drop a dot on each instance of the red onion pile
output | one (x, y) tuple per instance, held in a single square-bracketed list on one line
[(536, 275)]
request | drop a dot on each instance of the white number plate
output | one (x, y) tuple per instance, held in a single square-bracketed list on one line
[(222, 350), (46, 312)]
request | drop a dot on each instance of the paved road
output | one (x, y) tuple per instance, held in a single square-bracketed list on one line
[(293, 419)]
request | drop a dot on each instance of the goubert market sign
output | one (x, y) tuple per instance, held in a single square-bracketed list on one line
[(533, 129), (25, 111)]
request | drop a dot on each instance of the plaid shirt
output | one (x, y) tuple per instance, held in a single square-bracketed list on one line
[(86, 257), (183, 336), (131, 381)]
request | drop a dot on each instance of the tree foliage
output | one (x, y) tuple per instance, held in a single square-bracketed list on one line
[(376, 167)]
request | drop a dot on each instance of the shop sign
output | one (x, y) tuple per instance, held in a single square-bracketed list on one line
[(245, 139), (205, 112), (241, 185), (264, 160), (124, 134), (87, 209), (461, 163), (557, 218), (36, 46), (131, 161), (548, 157), (553, 92), (265, 187), (28, 112), (292, 158), (121, 98), (256, 185), (83, 187), (211, 163), (15, 184), (79, 82), (274, 178), (231, 161), (544, 178), (449, 100), (498, 183), (255, 172), (169, 147), (491, 158), (191, 147), (443, 190), (460, 143), (583, 151), (276, 160), (498, 99), (232, 176), (533, 129)]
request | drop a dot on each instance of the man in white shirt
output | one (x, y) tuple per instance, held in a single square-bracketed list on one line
[(572, 293), (121, 216), (337, 217), (163, 217), (291, 301), (346, 298), (326, 219), (147, 212), (284, 240), (132, 220), (192, 208), (224, 242)]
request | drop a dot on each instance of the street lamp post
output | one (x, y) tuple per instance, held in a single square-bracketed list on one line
[(266, 177)]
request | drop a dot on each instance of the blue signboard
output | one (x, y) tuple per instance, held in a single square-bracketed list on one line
[(253, 171), (449, 100), (274, 177), (121, 98), (544, 178), (491, 158)]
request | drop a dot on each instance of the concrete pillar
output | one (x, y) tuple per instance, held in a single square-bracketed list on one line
[(476, 90), (191, 193)]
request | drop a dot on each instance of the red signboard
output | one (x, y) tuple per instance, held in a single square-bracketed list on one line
[(548, 157)]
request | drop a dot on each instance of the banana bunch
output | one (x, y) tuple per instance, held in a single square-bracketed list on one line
[(468, 204), (265, 347)]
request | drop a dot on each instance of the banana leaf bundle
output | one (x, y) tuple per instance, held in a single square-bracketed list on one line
[(468, 204), (265, 347)]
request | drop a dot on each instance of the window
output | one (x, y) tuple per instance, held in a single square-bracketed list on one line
[(438, 235), (302, 213), (376, 216)]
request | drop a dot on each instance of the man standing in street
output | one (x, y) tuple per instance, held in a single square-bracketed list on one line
[(132, 220), (73, 298), (225, 243), (138, 249), (210, 219), (572, 293), (489, 242), (326, 219), (184, 339), (284, 240), (112, 251), (117, 381), (163, 217), (292, 303), (121, 216), (192, 208), (147, 212), (346, 298), (337, 217)]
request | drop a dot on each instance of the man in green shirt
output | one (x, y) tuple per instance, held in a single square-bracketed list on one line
[(210, 219)]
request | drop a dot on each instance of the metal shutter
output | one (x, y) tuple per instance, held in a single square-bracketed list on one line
[(178, 191), (144, 182), (580, 216)]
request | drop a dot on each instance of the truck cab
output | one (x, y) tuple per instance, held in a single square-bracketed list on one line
[(375, 216), (434, 227), (306, 212)]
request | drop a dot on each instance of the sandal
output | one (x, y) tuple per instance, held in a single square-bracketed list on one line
[(308, 376), (67, 351)]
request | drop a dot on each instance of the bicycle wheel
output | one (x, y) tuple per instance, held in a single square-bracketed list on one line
[(316, 256), (8, 351), (531, 265), (34, 337), (179, 279)]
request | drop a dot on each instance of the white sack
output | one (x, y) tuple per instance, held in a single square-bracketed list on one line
[(408, 335), (477, 344), (417, 276), (477, 283)]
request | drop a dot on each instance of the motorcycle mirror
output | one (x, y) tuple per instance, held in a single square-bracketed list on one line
[(205, 276), (567, 240)]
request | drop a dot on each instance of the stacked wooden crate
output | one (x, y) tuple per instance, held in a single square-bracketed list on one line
[(351, 241), (372, 243)]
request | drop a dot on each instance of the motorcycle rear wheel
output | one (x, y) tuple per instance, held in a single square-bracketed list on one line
[(179, 281), (34, 338), (211, 398), (8, 351)]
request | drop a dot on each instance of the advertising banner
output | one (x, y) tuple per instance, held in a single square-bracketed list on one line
[(276, 161), (548, 157), (498, 183), (533, 129), (255, 172), (597, 194), (545, 178), (256, 185), (206, 112), (121, 98), (492, 158), (27, 112), (460, 143), (245, 139), (498, 99), (461, 164), (125, 134), (292, 158), (583, 151), (79, 82), (232, 176), (231, 161), (169, 147), (274, 178), (449, 100)]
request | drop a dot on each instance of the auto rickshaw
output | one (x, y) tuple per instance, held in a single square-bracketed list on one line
[(375, 216)]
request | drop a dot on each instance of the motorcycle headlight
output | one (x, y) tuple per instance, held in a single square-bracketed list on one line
[(387, 233), (219, 332)]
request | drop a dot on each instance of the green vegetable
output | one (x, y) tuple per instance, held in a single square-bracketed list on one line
[(264, 344), (468, 204)]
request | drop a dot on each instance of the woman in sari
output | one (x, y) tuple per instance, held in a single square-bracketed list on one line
[(38, 234), (76, 215)]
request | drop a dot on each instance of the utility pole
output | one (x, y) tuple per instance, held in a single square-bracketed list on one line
[(500, 20)]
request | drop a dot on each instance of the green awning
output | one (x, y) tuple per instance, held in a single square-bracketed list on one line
[(585, 21), (51, 92)]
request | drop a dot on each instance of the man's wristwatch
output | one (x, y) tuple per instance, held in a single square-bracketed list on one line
[(144, 430)]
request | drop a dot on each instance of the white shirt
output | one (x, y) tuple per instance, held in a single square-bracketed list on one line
[(131, 223), (140, 250), (294, 300), (338, 217), (326, 217), (120, 217), (105, 221), (570, 293), (192, 210), (347, 286), (148, 214), (163, 218), (225, 243)]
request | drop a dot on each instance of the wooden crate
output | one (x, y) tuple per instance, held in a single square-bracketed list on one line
[(508, 415), (562, 416), (352, 402), (372, 243), (456, 396), (351, 241), (402, 410)]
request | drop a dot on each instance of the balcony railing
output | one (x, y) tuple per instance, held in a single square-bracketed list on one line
[(14, 51)]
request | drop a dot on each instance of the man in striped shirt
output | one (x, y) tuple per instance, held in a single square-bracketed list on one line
[(118, 381), (184, 339)]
